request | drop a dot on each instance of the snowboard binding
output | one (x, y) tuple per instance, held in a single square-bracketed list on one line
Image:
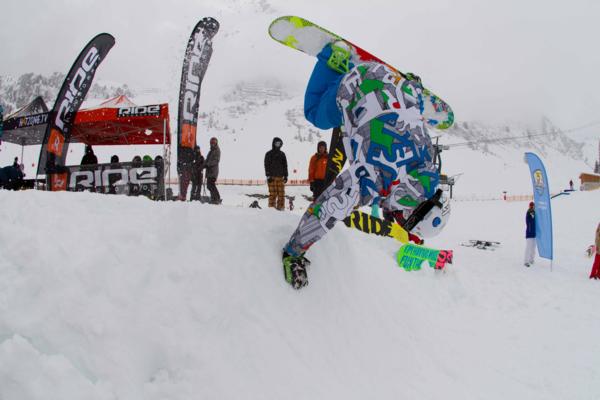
[(294, 269), (339, 60)]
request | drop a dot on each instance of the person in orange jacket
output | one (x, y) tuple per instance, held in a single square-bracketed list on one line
[(317, 169), (595, 274)]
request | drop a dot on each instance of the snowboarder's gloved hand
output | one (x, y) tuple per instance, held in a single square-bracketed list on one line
[(269, 179), (285, 179), (414, 77)]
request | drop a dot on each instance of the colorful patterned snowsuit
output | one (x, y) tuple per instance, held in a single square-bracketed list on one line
[(388, 147)]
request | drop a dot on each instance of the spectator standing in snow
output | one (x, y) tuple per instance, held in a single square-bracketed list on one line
[(276, 171), (571, 184), (212, 170), (197, 176), (11, 177), (89, 157), (595, 274), (317, 169), (530, 235), (113, 178)]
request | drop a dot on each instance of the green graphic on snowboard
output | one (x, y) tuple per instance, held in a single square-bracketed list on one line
[(309, 38), (411, 257)]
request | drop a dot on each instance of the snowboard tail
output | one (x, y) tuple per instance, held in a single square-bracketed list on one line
[(411, 257)]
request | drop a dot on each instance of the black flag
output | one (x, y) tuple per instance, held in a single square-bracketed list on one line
[(195, 63), (72, 93)]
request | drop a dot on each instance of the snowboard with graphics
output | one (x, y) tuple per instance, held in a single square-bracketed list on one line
[(369, 224), (411, 257), (309, 38)]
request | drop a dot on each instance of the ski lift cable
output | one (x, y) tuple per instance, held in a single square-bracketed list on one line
[(589, 125)]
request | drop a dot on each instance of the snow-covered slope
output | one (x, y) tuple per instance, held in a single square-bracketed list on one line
[(122, 298)]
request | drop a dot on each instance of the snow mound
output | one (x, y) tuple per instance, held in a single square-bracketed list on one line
[(106, 297)]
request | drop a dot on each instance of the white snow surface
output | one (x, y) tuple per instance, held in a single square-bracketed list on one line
[(107, 297)]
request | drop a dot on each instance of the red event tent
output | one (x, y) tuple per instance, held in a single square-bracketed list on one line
[(116, 121)]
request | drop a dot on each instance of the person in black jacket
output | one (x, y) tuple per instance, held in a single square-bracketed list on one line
[(197, 175), (11, 178), (113, 178), (276, 170), (89, 158), (212, 170)]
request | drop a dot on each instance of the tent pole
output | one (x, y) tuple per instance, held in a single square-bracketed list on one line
[(164, 157)]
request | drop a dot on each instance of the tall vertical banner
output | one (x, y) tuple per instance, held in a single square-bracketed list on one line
[(543, 209), (53, 153), (195, 64)]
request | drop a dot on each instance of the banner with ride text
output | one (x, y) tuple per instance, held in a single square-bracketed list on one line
[(78, 81), (195, 64), (543, 209), (125, 178)]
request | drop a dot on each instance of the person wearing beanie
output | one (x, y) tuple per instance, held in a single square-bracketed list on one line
[(276, 171), (530, 235), (317, 170)]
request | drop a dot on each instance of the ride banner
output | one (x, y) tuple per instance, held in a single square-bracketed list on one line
[(126, 178), (77, 83)]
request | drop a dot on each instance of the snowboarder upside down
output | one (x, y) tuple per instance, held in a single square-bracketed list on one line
[(389, 151)]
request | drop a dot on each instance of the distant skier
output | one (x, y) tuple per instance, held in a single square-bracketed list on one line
[(571, 185), (388, 147), (276, 171), (595, 274), (317, 170), (530, 235)]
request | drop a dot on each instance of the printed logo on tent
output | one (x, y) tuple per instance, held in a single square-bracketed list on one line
[(56, 142), (139, 111), (33, 120), (539, 181)]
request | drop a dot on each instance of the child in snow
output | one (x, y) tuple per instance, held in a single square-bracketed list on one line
[(388, 147), (595, 274), (530, 235)]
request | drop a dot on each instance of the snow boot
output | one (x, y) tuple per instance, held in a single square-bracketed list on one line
[(294, 270)]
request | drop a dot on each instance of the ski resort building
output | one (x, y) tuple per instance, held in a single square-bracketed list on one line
[(589, 181)]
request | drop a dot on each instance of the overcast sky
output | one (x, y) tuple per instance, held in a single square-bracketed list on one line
[(491, 60)]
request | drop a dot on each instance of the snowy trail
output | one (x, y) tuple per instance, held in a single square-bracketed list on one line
[(119, 298)]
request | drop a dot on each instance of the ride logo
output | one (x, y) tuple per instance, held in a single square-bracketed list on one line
[(139, 111), (72, 93), (76, 90), (88, 179), (195, 64)]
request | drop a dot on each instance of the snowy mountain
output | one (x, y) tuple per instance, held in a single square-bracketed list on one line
[(17, 92), (248, 114), (146, 300)]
